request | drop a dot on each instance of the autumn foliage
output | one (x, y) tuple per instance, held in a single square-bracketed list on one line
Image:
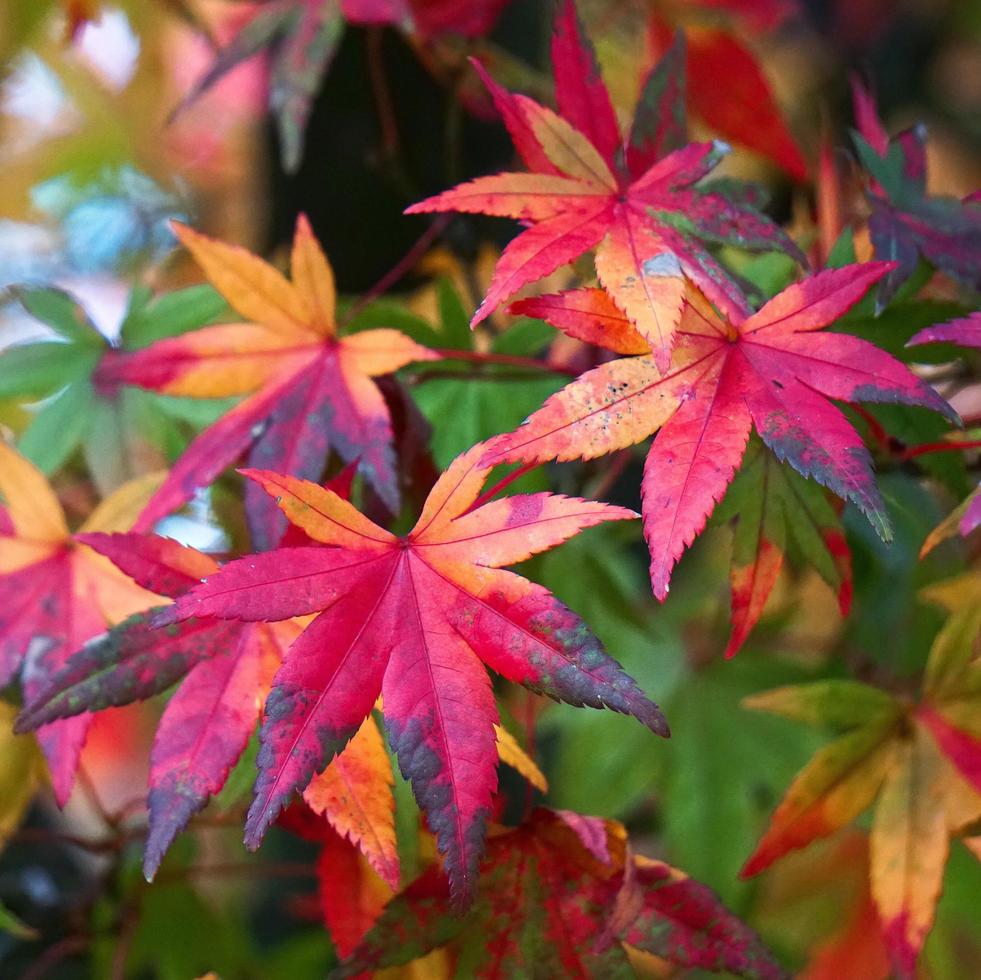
[(430, 511)]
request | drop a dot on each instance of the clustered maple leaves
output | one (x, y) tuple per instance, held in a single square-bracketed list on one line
[(335, 616)]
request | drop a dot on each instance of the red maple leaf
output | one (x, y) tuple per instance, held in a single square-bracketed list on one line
[(905, 223), (965, 332), (303, 36), (770, 370), (559, 896), (227, 669), (412, 618), (309, 390), (591, 186), (727, 87), (56, 593)]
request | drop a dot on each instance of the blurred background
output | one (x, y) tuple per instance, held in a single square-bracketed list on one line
[(107, 133)]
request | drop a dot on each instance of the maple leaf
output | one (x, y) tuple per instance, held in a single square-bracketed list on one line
[(56, 593), (308, 389), (465, 408), (905, 223), (412, 618), (227, 669), (303, 37), (354, 797), (744, 109), (117, 428), (351, 893), (922, 765), (591, 187), (965, 332), (22, 773), (771, 370), (775, 509), (560, 895), (351, 897)]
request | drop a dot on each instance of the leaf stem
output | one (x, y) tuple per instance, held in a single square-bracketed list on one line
[(875, 427), (512, 360), (500, 485), (910, 452)]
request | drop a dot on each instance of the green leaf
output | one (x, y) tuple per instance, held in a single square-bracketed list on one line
[(61, 312), (914, 426), (887, 170), (592, 756), (725, 770), (388, 313), (171, 314), (35, 370), (59, 427), (9, 923), (181, 935), (794, 513), (197, 412), (464, 411), (835, 704), (769, 273), (104, 446), (524, 338), (843, 251), (888, 624), (241, 780), (892, 328), (453, 317)]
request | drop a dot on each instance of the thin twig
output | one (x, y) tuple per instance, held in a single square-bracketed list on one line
[(53, 955), (382, 94), (124, 943), (613, 473), (402, 267), (283, 870)]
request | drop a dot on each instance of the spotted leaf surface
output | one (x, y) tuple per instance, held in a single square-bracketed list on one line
[(415, 619), (772, 371), (559, 896)]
